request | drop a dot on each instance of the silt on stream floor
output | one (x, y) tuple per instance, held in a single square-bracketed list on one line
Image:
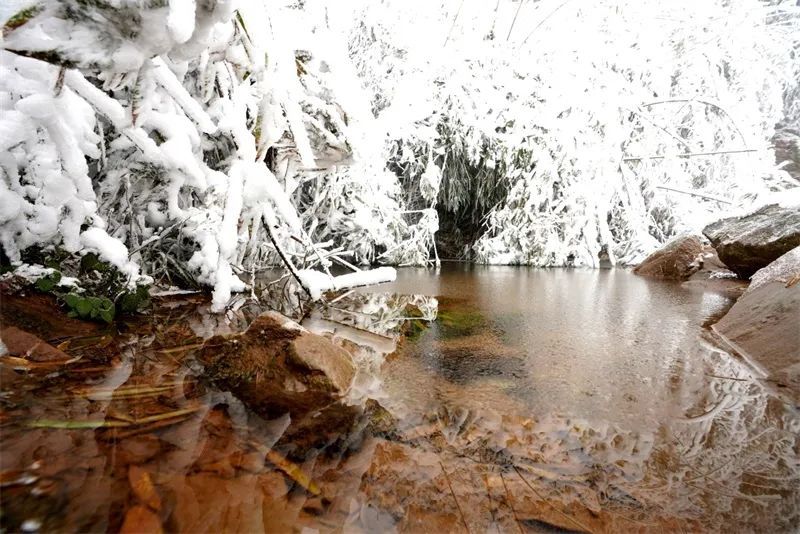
[(537, 400)]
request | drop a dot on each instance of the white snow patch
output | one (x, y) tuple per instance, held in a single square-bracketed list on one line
[(109, 249), (318, 282), (180, 21)]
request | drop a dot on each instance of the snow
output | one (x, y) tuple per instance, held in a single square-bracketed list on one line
[(32, 273), (789, 199), (318, 282), (378, 117), (166, 78), (109, 249), (180, 20)]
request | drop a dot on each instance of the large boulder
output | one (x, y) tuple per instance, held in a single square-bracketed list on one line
[(764, 324), (748, 243), (677, 260), (276, 366)]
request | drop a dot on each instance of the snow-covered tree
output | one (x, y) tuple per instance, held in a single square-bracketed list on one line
[(198, 142), (149, 133), (565, 130)]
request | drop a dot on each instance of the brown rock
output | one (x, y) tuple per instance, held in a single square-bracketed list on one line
[(677, 260), (764, 324), (26, 345), (276, 366), (137, 449)]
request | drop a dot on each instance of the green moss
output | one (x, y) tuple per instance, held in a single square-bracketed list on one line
[(415, 329), (460, 323)]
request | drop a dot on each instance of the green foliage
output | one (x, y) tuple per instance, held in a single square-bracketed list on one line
[(48, 283), (132, 301), (90, 262), (21, 18), (87, 307), (103, 291)]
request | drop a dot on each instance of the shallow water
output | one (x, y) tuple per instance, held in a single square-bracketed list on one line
[(537, 400)]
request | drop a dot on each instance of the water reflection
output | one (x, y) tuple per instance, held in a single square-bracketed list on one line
[(508, 400), (604, 390)]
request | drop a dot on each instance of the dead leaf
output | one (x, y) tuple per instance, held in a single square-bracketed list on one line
[(142, 486), (140, 520)]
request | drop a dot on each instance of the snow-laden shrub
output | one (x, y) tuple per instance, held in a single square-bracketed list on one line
[(148, 133), (199, 142), (570, 129)]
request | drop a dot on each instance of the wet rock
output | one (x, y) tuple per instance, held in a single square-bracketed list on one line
[(401, 476), (142, 487), (764, 324), (748, 243), (715, 277), (276, 366), (379, 420), (677, 260), (26, 345)]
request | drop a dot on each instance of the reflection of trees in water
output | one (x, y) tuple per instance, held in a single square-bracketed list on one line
[(735, 452), (731, 460), (384, 314)]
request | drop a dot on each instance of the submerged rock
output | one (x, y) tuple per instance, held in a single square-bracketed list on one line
[(276, 366), (679, 259), (748, 243), (764, 324), (26, 345), (40, 314)]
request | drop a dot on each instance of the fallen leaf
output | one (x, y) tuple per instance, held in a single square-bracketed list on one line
[(142, 486), (140, 520)]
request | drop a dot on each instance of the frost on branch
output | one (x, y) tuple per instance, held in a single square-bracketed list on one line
[(152, 135), (197, 143), (564, 132)]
